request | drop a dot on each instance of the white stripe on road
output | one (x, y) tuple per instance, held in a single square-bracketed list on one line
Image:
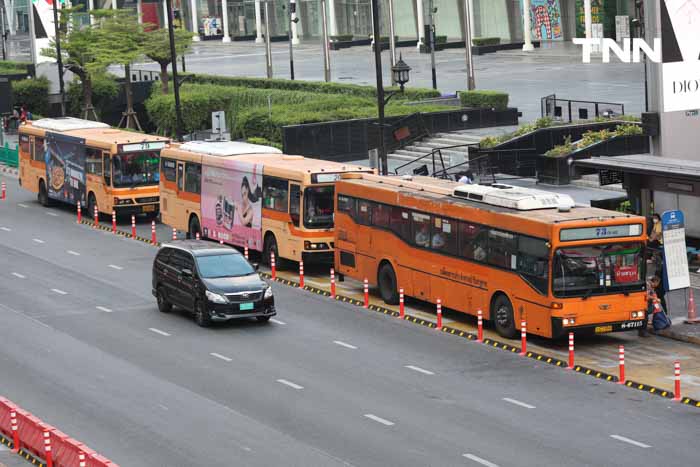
[(103, 308), (59, 291), (49, 213), (379, 419), (158, 331), (521, 404), (38, 240), (16, 274), (114, 266), (290, 384), (345, 344), (22, 205), (221, 357), (276, 321), (6, 229), (419, 369), (479, 460), (630, 441), (74, 253)]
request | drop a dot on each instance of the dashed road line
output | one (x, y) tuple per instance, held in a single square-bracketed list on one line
[(158, 331), (38, 240), (22, 205), (221, 357), (345, 344), (517, 402), (419, 369), (19, 276), (290, 384), (53, 214), (479, 460), (276, 321), (381, 420), (59, 291), (114, 266), (104, 308), (6, 229), (74, 253), (630, 441)]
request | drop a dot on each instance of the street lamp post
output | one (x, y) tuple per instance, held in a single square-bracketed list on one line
[(392, 39), (173, 62), (293, 19), (268, 47), (59, 58), (326, 51), (471, 82), (431, 27)]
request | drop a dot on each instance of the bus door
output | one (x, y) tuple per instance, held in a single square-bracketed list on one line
[(292, 238), (103, 192), (168, 193)]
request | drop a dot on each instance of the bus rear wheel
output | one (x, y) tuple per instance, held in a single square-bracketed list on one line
[(43, 195), (194, 228), (502, 315), (270, 246), (387, 284)]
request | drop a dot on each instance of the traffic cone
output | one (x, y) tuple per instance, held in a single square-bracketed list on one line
[(692, 314)]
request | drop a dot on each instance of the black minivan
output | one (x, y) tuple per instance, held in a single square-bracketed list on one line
[(214, 282)]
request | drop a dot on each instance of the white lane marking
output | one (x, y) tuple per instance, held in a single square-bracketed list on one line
[(37, 240), (158, 331), (74, 253), (18, 275), (22, 205), (479, 460), (114, 266), (345, 344), (630, 441), (49, 213), (516, 402), (103, 308), (6, 229), (276, 321), (59, 291), (381, 420), (221, 357), (290, 384), (419, 369), (162, 407)]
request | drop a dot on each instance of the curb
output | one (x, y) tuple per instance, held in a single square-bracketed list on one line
[(22, 453), (118, 232), (676, 336)]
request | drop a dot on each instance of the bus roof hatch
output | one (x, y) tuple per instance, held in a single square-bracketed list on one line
[(513, 197)]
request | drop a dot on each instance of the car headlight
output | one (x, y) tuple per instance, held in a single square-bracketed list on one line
[(268, 292), (216, 298)]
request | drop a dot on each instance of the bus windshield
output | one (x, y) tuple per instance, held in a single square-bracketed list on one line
[(130, 170), (318, 207), (582, 271)]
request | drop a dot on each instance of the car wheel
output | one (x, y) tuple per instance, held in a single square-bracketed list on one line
[(502, 315), (194, 228), (263, 319), (164, 306), (201, 315), (387, 284), (270, 247)]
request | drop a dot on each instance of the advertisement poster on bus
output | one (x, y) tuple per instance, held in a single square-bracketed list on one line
[(65, 168), (232, 203)]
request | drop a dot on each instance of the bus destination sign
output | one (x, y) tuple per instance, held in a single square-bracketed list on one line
[(594, 233), (145, 146)]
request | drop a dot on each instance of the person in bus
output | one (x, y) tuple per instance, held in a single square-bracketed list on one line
[(438, 240), (423, 235)]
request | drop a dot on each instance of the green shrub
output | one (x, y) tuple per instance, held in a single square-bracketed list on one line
[(629, 130), (479, 41), (264, 142), (32, 93), (342, 38), (439, 40), (104, 90), (489, 142), (590, 138), (484, 99), (562, 150), (13, 68)]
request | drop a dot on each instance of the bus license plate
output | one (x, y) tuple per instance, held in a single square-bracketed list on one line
[(246, 306), (149, 208), (603, 329)]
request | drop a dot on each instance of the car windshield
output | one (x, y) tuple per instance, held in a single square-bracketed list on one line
[(226, 265), (318, 207), (130, 170), (582, 271)]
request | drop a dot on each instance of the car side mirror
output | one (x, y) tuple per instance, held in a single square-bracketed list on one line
[(186, 273), (256, 266)]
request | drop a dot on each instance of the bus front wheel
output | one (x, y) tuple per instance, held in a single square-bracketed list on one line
[(194, 228), (387, 284), (92, 205), (502, 315)]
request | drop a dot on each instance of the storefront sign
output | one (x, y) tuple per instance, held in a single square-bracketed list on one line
[(545, 19), (680, 29), (675, 260)]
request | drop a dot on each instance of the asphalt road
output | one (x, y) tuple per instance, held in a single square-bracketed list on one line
[(83, 346)]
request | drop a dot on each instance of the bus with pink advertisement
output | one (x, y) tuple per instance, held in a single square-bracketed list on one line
[(252, 196)]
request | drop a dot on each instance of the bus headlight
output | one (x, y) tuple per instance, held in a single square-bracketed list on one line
[(637, 314), (121, 202), (315, 246), (568, 321)]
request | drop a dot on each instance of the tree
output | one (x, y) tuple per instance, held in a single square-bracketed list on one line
[(157, 48)]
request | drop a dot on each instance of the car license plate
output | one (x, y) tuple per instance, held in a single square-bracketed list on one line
[(246, 306), (603, 329), (149, 208)]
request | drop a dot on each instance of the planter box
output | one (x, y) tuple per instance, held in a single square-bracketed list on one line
[(405, 43), (487, 49), (337, 45)]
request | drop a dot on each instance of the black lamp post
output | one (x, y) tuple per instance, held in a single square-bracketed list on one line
[(173, 63), (400, 73)]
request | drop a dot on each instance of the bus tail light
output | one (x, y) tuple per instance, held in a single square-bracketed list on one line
[(637, 314), (568, 321), (557, 305)]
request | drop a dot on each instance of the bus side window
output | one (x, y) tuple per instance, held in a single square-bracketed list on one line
[(39, 151), (93, 161), (275, 193), (473, 241), (169, 170), (401, 224), (346, 205), (180, 176), (294, 203), (193, 179), (107, 169), (364, 212)]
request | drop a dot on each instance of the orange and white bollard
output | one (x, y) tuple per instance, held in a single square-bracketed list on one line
[(692, 314), (114, 221), (480, 325), (333, 283), (523, 337), (80, 213), (15, 431), (571, 351), (366, 290), (621, 355), (402, 310), (174, 234), (153, 232), (301, 274), (273, 265), (133, 226), (3, 194), (96, 217), (245, 252), (81, 459), (48, 455), (677, 377), (439, 314)]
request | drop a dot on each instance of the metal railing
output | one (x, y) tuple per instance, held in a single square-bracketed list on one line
[(554, 108), (435, 156), (9, 156)]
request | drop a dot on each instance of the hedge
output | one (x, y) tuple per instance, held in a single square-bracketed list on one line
[(480, 41), (104, 91), (484, 99), (12, 68), (412, 94), (32, 93)]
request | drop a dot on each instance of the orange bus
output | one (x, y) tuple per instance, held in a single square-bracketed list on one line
[(515, 253), (251, 195), (69, 160)]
